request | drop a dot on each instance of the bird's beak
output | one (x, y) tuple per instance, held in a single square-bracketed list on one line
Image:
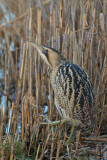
[(42, 51), (40, 48)]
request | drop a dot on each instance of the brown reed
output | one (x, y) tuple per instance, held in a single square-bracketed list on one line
[(78, 29)]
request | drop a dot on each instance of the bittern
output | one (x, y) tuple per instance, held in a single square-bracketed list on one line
[(72, 87)]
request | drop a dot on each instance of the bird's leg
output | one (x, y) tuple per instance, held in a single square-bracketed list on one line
[(52, 123), (78, 139), (71, 134)]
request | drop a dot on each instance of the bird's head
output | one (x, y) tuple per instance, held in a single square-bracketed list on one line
[(49, 55)]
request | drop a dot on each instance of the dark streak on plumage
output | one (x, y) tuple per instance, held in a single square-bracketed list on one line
[(82, 88)]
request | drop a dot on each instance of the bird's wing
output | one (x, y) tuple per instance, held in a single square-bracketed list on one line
[(73, 90)]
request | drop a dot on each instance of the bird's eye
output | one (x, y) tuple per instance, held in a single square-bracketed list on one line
[(46, 51)]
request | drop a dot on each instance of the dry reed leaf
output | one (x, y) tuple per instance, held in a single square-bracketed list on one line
[(102, 22)]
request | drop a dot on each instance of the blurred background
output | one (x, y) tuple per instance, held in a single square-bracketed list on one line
[(78, 30)]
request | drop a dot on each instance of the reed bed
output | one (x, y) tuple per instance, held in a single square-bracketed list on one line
[(77, 29)]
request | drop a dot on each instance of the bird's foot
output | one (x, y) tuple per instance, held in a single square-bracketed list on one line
[(52, 123)]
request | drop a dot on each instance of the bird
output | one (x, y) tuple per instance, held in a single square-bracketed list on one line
[(73, 89)]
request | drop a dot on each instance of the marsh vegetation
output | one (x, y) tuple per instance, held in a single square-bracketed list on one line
[(77, 29)]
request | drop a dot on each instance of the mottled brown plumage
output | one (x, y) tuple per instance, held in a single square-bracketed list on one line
[(72, 87)]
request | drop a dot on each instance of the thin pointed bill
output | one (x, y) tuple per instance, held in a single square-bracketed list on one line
[(40, 48), (42, 51)]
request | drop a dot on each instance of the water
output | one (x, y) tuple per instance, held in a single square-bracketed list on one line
[(12, 16), (2, 103), (2, 98), (45, 109), (1, 74), (7, 129), (8, 16)]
